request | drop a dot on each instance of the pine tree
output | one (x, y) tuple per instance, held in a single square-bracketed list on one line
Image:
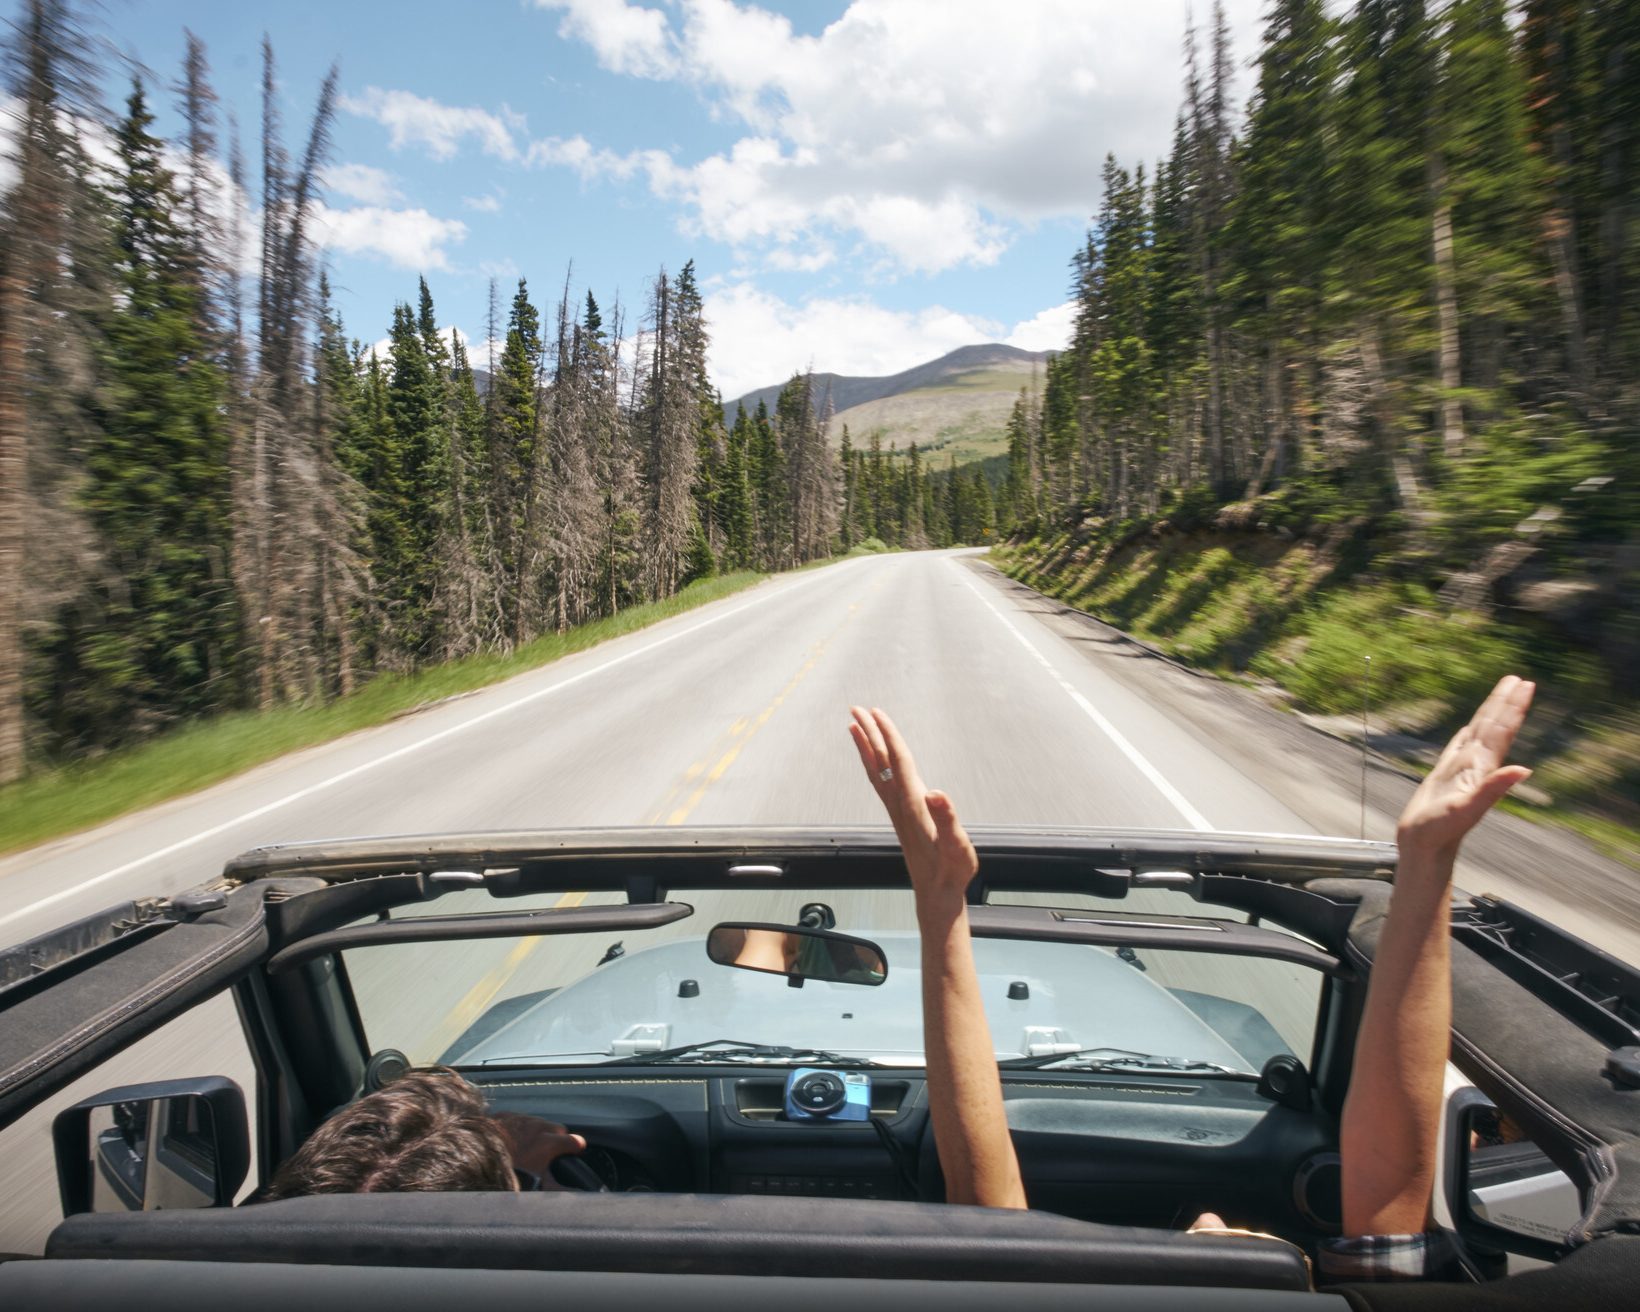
[(162, 639), (469, 603), (514, 430), (735, 500), (770, 494), (1283, 224), (848, 526), (416, 493), (55, 291)]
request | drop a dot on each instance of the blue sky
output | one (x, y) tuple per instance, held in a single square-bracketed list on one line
[(861, 185)]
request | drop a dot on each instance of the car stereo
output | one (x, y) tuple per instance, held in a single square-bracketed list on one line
[(820, 1095)]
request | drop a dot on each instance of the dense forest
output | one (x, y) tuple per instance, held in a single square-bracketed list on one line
[(1396, 305), (211, 497), (1355, 375)]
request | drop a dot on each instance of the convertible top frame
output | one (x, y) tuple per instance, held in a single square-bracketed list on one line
[(1103, 861)]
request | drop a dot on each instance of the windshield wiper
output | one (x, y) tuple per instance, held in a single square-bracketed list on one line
[(735, 1051), (1123, 1059)]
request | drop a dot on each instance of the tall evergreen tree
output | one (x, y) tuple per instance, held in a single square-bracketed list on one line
[(161, 641), (515, 397), (56, 288)]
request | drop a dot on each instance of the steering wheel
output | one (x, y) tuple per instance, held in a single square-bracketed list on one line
[(573, 1173)]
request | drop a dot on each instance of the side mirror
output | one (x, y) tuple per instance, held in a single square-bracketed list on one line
[(143, 1147), (1505, 1194), (798, 954)]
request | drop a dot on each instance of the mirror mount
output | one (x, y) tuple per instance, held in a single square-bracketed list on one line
[(193, 1130), (798, 953)]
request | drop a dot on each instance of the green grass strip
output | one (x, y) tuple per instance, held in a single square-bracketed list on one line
[(194, 756)]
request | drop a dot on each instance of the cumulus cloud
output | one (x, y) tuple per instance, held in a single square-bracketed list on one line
[(627, 39), (928, 133), (409, 239), (490, 204), (362, 182), (1049, 330), (758, 338), (440, 129)]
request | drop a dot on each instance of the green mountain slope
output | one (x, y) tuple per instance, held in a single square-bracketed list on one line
[(955, 405), (964, 415)]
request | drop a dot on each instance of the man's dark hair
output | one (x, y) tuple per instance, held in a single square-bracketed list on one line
[(427, 1132)]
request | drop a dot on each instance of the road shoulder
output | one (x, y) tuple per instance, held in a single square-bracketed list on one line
[(1319, 777)]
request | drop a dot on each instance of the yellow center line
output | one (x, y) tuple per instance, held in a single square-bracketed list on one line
[(741, 731), (484, 992), (744, 732)]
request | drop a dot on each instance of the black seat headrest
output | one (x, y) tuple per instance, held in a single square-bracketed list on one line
[(685, 1234)]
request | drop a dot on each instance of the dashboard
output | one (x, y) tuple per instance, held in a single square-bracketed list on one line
[(1097, 1147)]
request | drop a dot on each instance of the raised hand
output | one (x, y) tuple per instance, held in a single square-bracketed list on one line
[(1469, 777), (964, 1090), (937, 852)]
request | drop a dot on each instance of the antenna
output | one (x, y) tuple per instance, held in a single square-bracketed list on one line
[(1366, 702)]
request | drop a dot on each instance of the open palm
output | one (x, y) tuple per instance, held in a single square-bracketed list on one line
[(1470, 775), (938, 855)]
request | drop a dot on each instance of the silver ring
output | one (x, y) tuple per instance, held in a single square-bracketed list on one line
[(886, 773)]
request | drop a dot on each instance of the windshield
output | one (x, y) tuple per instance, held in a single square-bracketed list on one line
[(657, 995)]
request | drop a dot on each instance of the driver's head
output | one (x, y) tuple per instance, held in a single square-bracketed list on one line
[(426, 1132)]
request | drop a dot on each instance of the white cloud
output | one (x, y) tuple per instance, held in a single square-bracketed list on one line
[(626, 39), (410, 239), (928, 133), (483, 204), (362, 182), (783, 259), (413, 120), (1049, 330), (759, 339)]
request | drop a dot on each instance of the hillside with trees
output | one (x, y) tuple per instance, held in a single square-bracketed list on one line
[(213, 498), (1358, 373)]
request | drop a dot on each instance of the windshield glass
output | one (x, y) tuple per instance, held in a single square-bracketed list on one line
[(605, 996)]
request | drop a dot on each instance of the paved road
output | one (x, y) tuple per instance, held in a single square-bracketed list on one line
[(734, 713)]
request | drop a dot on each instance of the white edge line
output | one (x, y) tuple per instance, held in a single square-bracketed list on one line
[(419, 745), (1196, 819)]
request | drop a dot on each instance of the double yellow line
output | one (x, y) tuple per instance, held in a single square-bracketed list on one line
[(697, 779), (482, 994), (741, 732)]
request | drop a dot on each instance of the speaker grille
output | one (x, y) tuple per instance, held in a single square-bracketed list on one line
[(1317, 1192)]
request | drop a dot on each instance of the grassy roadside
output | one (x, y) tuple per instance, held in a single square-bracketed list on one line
[(1285, 613), (53, 803)]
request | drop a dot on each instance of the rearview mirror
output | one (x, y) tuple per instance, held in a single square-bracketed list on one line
[(144, 1147), (798, 954), (1505, 1194)]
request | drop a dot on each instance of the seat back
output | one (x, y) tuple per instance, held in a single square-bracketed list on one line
[(262, 1287), (685, 1234)]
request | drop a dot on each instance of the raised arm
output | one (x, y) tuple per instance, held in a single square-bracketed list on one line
[(964, 1090), (1393, 1110)]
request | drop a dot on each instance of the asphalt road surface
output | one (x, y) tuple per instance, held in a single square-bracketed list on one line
[(731, 714)]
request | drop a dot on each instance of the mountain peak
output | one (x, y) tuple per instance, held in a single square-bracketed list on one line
[(847, 391)]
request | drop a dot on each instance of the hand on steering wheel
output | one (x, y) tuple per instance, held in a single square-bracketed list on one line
[(537, 1145)]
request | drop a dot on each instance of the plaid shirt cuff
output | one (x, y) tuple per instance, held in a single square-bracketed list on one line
[(1427, 1256)]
